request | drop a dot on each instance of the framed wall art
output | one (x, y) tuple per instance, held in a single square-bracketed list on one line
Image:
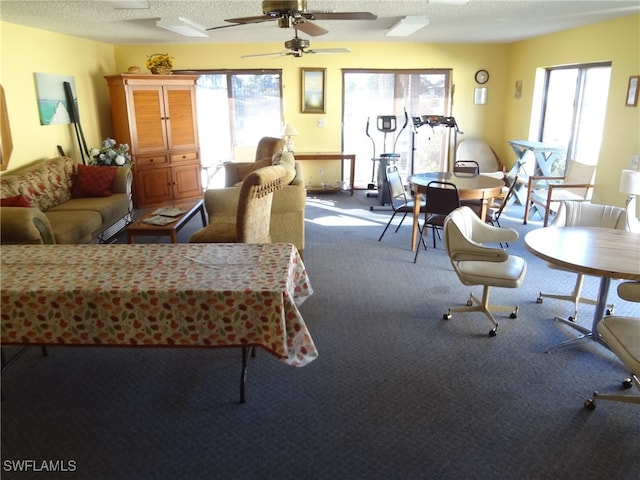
[(313, 90), (632, 91), (52, 101)]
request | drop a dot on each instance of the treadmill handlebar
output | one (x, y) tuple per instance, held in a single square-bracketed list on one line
[(435, 120)]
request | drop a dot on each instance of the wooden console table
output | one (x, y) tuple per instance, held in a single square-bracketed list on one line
[(331, 156)]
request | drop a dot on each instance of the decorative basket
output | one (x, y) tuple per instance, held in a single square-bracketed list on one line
[(161, 70)]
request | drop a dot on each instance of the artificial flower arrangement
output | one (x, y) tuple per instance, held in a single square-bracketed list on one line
[(159, 62), (110, 155)]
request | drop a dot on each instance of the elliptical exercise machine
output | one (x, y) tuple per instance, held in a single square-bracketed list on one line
[(385, 124)]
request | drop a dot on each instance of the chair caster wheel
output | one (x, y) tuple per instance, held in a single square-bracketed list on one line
[(493, 332), (513, 315), (446, 316), (571, 319), (539, 300), (608, 312), (627, 383), (589, 404)]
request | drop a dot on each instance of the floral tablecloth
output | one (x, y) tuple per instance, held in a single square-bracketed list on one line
[(176, 295)]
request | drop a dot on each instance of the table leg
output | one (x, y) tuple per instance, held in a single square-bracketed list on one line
[(203, 215), (598, 314), (416, 218), (243, 375)]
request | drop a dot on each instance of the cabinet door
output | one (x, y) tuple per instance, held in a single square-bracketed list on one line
[(187, 181), (154, 185), (148, 119), (181, 121)]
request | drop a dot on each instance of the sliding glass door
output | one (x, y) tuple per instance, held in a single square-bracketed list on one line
[(235, 110), (368, 94), (574, 107)]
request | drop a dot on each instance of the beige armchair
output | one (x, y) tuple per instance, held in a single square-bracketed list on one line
[(253, 212), (267, 147), (475, 263), (289, 202)]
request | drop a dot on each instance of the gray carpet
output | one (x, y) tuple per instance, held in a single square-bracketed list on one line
[(396, 393)]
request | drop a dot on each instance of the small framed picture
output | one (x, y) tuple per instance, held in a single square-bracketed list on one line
[(632, 91), (313, 90)]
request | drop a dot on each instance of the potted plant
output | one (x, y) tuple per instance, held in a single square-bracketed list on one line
[(160, 63), (110, 154)]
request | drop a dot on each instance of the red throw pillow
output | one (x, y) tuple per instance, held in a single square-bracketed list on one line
[(17, 201), (93, 181)]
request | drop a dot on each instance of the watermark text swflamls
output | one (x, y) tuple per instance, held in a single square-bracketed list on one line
[(31, 465)]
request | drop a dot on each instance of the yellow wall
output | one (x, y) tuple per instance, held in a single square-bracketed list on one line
[(25, 51), (483, 121), (617, 41), (503, 118)]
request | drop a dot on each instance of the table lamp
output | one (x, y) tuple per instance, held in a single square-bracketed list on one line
[(288, 132), (630, 184)]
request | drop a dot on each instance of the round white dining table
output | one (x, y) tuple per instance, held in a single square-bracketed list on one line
[(599, 252)]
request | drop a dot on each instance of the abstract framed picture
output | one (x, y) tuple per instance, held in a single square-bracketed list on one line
[(53, 107), (313, 90)]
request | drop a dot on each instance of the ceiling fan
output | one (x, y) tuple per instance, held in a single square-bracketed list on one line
[(297, 47), (294, 13)]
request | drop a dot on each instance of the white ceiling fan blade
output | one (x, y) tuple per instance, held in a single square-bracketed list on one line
[(329, 50), (272, 54)]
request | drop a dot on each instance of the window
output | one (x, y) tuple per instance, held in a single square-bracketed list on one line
[(235, 110), (573, 110), (370, 93)]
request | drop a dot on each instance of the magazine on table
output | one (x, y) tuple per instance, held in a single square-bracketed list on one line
[(168, 212), (159, 220)]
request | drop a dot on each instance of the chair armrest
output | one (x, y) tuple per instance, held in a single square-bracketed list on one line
[(486, 233), (462, 248), (533, 179), (221, 202), (566, 186), (122, 181), (235, 172), (20, 225)]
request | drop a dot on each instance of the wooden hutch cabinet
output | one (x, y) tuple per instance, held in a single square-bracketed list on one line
[(156, 116)]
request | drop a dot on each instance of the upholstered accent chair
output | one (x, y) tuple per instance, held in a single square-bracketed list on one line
[(289, 202), (253, 215)]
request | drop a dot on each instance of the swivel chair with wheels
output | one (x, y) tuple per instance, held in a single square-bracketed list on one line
[(622, 336), (475, 263)]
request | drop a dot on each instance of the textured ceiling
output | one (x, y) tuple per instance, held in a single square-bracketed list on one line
[(475, 21)]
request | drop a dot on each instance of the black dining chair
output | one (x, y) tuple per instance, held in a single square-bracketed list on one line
[(442, 199)]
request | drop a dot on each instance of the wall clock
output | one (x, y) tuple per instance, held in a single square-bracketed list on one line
[(482, 77)]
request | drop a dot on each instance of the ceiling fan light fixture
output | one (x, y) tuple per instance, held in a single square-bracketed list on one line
[(182, 26), (407, 26)]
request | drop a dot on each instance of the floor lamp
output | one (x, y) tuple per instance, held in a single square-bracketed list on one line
[(630, 184)]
